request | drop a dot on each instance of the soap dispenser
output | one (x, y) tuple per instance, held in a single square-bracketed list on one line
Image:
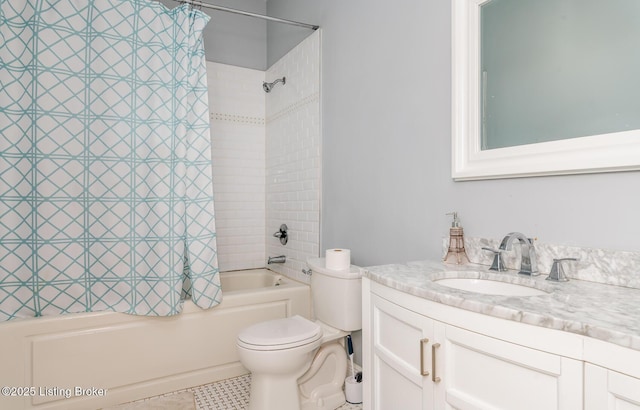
[(456, 253)]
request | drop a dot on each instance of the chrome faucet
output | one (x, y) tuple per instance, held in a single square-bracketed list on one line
[(276, 259), (528, 265)]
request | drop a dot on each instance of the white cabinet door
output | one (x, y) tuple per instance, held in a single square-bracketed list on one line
[(605, 389), (417, 362), (400, 349), (480, 372)]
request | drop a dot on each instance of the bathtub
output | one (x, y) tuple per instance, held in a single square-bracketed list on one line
[(92, 360)]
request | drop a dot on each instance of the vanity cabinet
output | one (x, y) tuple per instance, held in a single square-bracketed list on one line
[(481, 372), (419, 361), (608, 390), (400, 341)]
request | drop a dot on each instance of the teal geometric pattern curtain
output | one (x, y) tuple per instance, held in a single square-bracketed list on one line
[(106, 199)]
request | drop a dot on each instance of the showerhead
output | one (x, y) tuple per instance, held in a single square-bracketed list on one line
[(267, 87)]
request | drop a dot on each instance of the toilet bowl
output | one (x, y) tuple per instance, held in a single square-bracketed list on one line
[(320, 388), (277, 352), (299, 364)]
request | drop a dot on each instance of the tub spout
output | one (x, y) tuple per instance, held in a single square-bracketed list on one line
[(276, 259)]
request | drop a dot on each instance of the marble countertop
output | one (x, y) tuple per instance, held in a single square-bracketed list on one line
[(605, 312)]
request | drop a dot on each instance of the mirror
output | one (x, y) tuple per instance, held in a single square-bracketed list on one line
[(545, 87)]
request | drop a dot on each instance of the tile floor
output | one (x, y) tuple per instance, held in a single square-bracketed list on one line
[(231, 394), (223, 395), (183, 400)]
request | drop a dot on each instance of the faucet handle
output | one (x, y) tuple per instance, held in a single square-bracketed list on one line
[(557, 272), (282, 234), (498, 262)]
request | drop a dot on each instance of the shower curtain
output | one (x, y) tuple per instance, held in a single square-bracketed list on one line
[(106, 199)]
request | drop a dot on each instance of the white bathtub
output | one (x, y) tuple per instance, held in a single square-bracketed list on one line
[(131, 357)]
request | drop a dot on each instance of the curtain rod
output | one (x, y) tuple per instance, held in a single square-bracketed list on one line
[(246, 13)]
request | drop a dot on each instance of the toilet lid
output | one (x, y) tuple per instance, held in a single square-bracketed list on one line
[(289, 332)]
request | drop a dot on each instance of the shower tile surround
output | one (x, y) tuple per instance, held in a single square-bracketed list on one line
[(266, 161), (293, 157), (237, 107)]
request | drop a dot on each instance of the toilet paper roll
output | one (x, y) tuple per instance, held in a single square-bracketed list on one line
[(338, 259)]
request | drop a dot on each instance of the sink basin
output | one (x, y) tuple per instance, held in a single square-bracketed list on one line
[(490, 287)]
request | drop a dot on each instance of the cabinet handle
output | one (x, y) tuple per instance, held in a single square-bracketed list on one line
[(435, 378), (423, 372)]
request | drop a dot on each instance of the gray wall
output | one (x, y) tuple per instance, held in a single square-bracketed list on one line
[(233, 39), (386, 146), (282, 38)]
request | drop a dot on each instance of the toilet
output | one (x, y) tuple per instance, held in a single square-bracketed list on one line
[(296, 363)]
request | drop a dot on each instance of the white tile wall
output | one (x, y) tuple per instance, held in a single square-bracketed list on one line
[(266, 161), (293, 157), (237, 109)]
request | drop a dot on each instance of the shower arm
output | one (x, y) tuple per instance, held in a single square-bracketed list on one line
[(267, 87)]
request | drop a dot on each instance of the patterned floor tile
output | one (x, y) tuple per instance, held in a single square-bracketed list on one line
[(232, 394)]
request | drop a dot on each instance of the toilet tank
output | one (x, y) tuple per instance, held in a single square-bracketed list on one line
[(337, 295)]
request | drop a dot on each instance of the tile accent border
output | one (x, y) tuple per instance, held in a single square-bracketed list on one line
[(315, 97), (241, 119)]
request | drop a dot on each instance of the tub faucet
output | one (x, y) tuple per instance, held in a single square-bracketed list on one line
[(276, 259), (528, 265)]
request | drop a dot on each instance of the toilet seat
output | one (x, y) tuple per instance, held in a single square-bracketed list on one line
[(280, 334)]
